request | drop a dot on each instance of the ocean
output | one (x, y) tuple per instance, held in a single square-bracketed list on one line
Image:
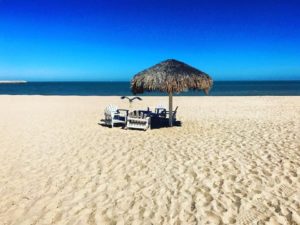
[(220, 88)]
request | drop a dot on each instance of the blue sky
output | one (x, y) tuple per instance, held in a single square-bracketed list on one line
[(43, 40)]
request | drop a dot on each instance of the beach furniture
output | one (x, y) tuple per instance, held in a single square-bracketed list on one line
[(113, 115), (160, 111), (139, 120), (173, 114)]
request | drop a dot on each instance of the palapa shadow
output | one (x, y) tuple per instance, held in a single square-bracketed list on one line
[(156, 123)]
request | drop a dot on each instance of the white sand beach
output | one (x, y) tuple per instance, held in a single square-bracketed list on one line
[(234, 160)]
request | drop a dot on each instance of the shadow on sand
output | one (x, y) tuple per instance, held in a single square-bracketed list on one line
[(156, 123)]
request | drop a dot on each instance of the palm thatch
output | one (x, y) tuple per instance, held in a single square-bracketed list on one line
[(171, 76)]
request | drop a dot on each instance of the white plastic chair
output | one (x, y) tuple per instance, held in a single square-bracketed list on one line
[(113, 115), (141, 120)]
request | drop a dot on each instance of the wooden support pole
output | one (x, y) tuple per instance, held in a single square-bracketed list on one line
[(170, 109)]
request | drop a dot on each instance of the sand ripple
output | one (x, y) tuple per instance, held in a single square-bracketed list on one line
[(235, 160)]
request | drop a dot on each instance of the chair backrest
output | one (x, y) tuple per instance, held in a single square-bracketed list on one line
[(110, 108), (175, 111), (160, 109)]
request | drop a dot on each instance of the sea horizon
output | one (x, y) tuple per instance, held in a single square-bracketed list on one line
[(118, 88)]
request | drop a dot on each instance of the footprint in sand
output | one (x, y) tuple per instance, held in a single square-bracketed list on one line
[(257, 212), (249, 217), (285, 191)]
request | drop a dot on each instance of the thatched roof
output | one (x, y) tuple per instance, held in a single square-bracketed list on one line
[(171, 76)]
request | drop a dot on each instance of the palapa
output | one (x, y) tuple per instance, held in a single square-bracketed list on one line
[(171, 76)]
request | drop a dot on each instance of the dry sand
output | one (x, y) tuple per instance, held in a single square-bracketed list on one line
[(235, 160)]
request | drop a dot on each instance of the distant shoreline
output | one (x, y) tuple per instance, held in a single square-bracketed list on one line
[(220, 88), (12, 81)]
